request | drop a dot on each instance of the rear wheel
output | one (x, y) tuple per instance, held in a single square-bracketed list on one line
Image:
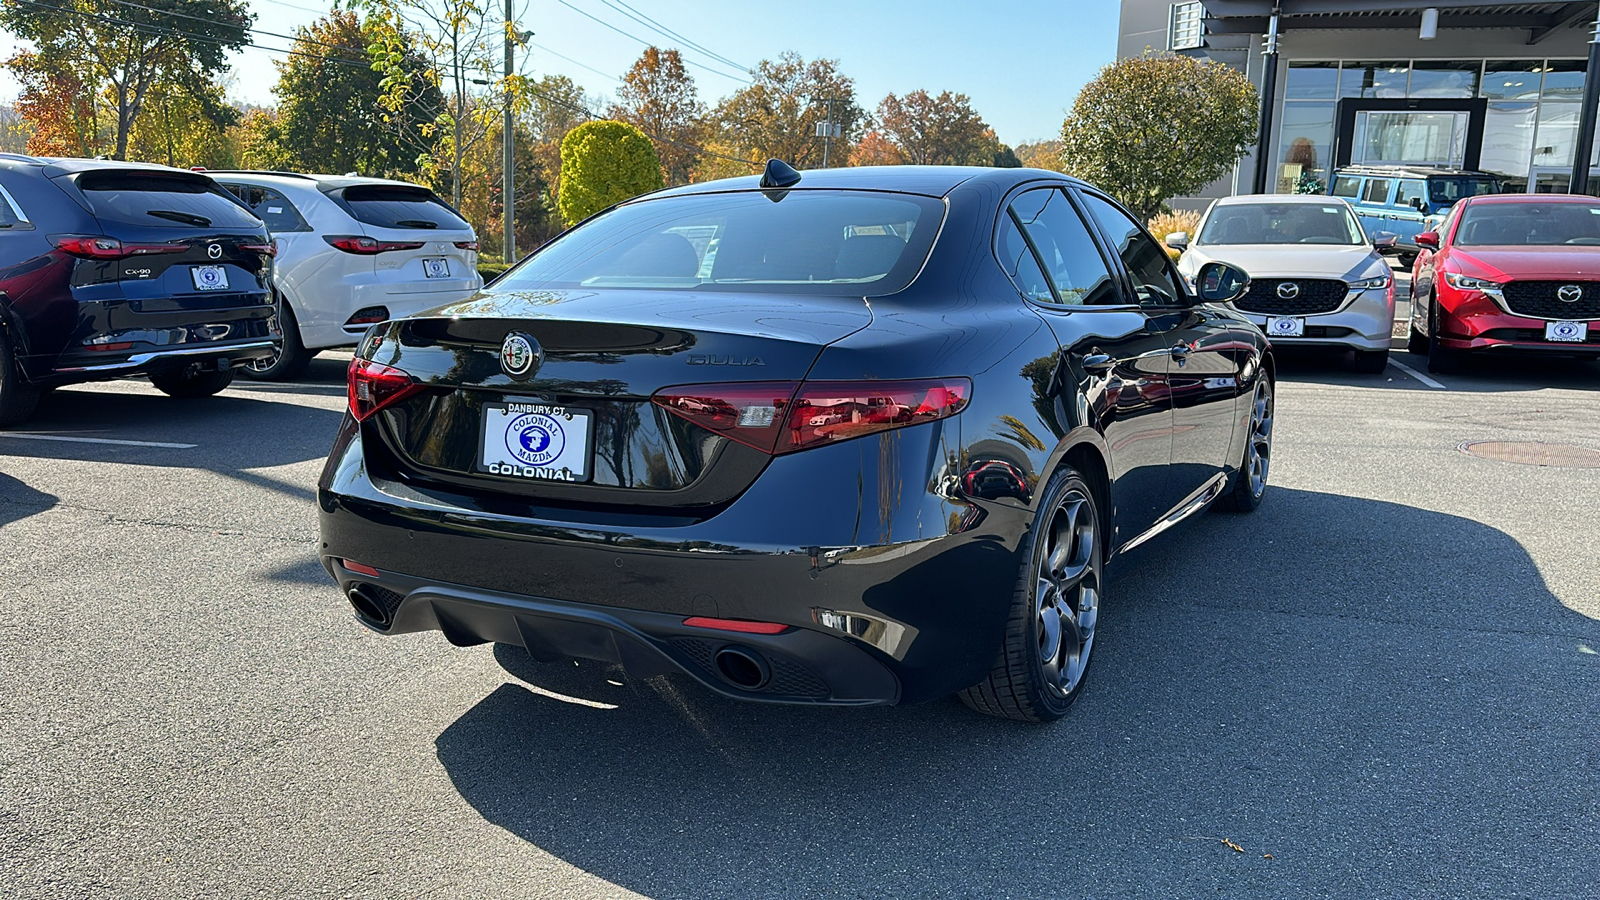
[(191, 383), (1372, 362), (18, 398), (292, 357), (1249, 485), (1050, 632)]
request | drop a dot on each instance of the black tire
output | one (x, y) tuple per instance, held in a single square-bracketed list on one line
[(18, 398), (292, 357), (1441, 359), (1050, 631), (1371, 362), (1416, 341), (188, 384), (1248, 487)]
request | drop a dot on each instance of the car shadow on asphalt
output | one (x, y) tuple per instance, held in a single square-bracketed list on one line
[(1299, 702), (18, 501), (1478, 374)]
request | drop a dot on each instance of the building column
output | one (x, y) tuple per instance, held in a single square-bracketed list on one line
[(1586, 121), (1269, 90)]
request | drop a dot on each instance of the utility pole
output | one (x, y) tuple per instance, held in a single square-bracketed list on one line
[(829, 129), (507, 138), (1269, 86), (1586, 117)]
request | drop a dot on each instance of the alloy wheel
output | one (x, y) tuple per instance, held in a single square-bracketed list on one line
[(1067, 592), (1260, 450)]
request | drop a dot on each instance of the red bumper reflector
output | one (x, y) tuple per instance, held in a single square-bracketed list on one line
[(743, 626), (358, 568)]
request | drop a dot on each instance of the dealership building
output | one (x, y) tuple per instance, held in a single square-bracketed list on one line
[(1492, 86)]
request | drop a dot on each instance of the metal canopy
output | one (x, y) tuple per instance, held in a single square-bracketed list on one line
[(1250, 16)]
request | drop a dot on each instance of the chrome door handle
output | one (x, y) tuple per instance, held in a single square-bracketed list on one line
[(1181, 351), (1098, 362)]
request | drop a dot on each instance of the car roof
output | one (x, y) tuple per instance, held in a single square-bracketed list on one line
[(66, 165), (933, 181), (1410, 171), (324, 182), (1275, 199), (1532, 198)]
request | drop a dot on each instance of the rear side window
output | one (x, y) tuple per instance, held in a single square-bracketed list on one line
[(1346, 186), (160, 200), (12, 218), (1067, 250), (839, 243), (271, 207), (1020, 264), (1410, 192), (394, 206), (1377, 191)]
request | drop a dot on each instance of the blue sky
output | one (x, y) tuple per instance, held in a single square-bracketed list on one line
[(1022, 62)]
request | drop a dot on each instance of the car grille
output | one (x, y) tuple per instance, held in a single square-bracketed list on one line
[(1536, 336), (1538, 299), (1317, 295)]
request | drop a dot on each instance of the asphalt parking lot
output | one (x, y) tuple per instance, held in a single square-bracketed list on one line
[(1386, 683)]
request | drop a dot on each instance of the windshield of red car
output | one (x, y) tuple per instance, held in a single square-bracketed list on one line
[(1529, 224)]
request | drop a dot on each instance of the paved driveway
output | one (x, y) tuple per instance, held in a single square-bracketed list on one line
[(1385, 683)]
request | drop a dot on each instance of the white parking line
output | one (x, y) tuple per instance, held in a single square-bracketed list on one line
[(84, 440), (1417, 375)]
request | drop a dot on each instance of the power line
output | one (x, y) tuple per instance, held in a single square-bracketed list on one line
[(649, 43), (666, 32)]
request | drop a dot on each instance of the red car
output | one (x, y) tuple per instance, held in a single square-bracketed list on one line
[(1508, 272)]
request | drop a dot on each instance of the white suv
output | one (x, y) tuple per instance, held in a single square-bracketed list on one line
[(353, 252)]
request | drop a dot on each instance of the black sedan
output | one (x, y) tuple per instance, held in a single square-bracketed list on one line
[(859, 436)]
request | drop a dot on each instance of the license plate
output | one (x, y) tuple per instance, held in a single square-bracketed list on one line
[(1575, 332), (1285, 326), (209, 278), (436, 267), (535, 441)]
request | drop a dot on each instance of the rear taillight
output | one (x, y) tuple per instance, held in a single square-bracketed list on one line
[(782, 417), (368, 315), (362, 245), (270, 248), (467, 245), (98, 246), (374, 386)]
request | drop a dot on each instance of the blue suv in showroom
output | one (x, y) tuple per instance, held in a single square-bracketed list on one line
[(112, 269)]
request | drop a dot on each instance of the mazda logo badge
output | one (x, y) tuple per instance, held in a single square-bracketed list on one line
[(214, 251), (520, 355), (1569, 293), (1288, 290)]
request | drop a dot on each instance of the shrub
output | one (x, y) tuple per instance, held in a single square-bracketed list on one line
[(603, 163), (1179, 220)]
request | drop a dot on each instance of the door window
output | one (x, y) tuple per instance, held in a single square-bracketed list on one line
[(1410, 193), (1346, 186), (1071, 259), (1017, 258), (270, 206), (1149, 267), (12, 218), (1377, 191)]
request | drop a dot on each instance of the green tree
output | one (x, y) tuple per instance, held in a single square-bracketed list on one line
[(658, 96), (330, 112), (1154, 127), (602, 163), (129, 49), (777, 116), (1040, 155), (937, 131), (181, 127), (556, 105)]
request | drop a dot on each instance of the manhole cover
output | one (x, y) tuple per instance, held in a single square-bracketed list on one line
[(1533, 453)]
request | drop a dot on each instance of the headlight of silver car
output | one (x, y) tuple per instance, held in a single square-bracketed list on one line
[(1377, 283), (1467, 283)]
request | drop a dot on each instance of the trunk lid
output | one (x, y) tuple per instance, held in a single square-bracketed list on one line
[(604, 353)]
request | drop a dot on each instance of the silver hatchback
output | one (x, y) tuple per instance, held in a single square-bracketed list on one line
[(1316, 277)]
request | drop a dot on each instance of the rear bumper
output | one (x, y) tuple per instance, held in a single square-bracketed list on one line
[(324, 327), (924, 599)]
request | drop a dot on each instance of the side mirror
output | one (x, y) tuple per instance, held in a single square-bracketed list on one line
[(1385, 240), (1429, 239), (1178, 240), (1220, 282), (1420, 204)]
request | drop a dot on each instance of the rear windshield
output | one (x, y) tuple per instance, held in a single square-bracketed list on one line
[(389, 206), (1282, 223), (1449, 190), (160, 200), (843, 243), (1529, 224)]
